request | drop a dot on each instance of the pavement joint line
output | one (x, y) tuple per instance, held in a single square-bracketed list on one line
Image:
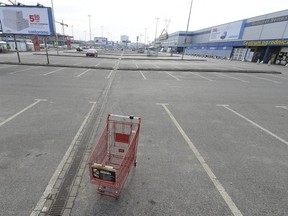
[(255, 124), (232, 206), (172, 76), (143, 75), (39, 206), (22, 111), (231, 77), (196, 74), (83, 73)]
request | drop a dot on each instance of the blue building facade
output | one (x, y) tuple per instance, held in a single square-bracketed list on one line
[(262, 38)]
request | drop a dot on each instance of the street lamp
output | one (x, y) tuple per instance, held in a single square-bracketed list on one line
[(89, 27), (145, 36), (187, 30), (156, 29)]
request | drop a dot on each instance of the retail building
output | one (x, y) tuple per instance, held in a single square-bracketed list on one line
[(262, 38)]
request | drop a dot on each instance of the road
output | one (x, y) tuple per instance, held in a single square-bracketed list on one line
[(211, 143)]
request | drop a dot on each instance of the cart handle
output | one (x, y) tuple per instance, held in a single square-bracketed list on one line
[(122, 116)]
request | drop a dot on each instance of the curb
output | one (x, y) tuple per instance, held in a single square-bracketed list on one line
[(175, 58), (151, 69)]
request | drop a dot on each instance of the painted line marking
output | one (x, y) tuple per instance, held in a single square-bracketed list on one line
[(207, 169), (23, 110), (8, 66), (109, 75), (137, 66), (224, 75), (172, 76), (143, 75), (196, 74), (261, 78), (39, 206), (97, 64), (282, 107), (83, 73), (255, 124), (23, 70), (78, 63), (51, 72), (279, 77), (156, 66)]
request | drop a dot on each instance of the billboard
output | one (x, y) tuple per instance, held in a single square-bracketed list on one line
[(26, 20), (100, 41), (230, 31)]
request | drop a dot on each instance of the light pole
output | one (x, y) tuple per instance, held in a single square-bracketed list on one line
[(187, 30), (145, 36), (156, 30), (89, 27)]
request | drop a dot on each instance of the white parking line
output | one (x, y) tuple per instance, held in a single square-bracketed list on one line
[(78, 63), (255, 124), (23, 110), (207, 169), (172, 76), (83, 73), (224, 75), (143, 75), (196, 74), (57, 172), (8, 66), (137, 66), (261, 78), (97, 64), (109, 75), (175, 66), (282, 107), (14, 72), (156, 66), (51, 72), (279, 77)]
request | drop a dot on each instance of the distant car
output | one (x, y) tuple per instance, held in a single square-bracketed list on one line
[(92, 52), (79, 49), (141, 50)]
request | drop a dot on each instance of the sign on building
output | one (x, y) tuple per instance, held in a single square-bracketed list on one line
[(26, 20), (101, 41), (230, 31)]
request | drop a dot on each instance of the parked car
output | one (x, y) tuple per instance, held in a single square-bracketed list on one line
[(79, 49), (92, 52)]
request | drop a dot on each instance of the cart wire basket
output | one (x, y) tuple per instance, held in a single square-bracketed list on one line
[(114, 154)]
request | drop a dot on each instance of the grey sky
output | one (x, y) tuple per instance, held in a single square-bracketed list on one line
[(131, 17)]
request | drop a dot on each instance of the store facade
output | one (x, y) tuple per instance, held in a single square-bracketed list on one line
[(262, 38)]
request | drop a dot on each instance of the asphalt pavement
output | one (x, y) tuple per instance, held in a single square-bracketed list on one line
[(213, 141)]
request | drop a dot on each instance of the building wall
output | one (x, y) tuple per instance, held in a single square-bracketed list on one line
[(263, 36)]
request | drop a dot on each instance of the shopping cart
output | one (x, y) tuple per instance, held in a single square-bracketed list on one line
[(114, 154)]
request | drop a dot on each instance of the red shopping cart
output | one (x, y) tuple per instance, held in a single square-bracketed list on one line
[(114, 154)]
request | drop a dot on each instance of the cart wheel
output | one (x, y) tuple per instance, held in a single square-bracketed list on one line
[(135, 163)]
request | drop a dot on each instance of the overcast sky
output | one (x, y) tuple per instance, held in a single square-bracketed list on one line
[(112, 18)]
